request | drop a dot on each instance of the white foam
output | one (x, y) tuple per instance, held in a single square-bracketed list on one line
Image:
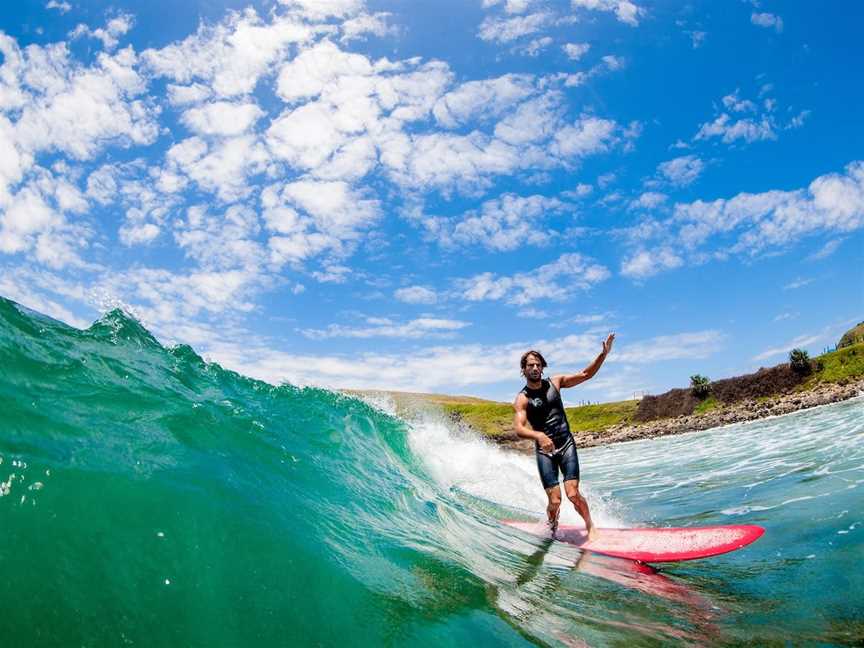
[(462, 460)]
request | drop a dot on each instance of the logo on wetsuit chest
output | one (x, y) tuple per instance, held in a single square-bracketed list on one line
[(537, 402)]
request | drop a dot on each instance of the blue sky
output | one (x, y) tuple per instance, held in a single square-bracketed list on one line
[(407, 195)]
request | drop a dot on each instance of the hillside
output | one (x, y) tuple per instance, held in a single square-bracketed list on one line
[(855, 335)]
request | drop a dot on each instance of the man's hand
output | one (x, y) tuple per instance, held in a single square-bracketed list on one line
[(545, 444), (607, 345)]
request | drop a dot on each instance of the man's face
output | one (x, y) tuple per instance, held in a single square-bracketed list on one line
[(533, 368)]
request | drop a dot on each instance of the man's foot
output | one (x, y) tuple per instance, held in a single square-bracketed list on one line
[(593, 534)]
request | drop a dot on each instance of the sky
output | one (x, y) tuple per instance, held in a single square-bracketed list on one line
[(409, 195)]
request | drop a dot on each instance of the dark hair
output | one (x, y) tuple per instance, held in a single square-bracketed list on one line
[(524, 359)]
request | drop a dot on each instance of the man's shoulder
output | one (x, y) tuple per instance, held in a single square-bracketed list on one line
[(521, 400)]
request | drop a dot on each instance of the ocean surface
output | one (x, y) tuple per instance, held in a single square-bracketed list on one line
[(150, 498)]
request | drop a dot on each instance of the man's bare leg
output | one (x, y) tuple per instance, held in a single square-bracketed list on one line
[(553, 507), (571, 487)]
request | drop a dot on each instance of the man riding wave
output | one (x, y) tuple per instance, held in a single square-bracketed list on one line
[(540, 416)]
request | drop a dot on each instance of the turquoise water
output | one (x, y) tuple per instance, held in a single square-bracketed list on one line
[(150, 498)]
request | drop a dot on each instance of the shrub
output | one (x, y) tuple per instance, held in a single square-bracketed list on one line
[(700, 385), (799, 359)]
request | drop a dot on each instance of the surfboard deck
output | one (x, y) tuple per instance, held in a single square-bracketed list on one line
[(652, 545)]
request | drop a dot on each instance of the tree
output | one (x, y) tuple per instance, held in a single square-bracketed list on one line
[(700, 385), (799, 359)]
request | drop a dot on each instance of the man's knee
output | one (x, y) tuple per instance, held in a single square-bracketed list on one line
[(571, 486), (554, 496)]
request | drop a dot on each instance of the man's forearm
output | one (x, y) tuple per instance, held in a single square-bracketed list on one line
[(594, 367), (527, 433)]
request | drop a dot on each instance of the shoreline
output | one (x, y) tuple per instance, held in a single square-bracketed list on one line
[(741, 412)]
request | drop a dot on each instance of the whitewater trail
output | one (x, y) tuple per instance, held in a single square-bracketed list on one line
[(461, 461)]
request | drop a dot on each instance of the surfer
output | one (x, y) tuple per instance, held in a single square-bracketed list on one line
[(540, 416)]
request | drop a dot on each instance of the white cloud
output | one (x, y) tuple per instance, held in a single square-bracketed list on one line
[(575, 51), (308, 218), (169, 298), (318, 67), (697, 38), (749, 224), (479, 100), (318, 10), (506, 223), (416, 295), (729, 130), (798, 283), (138, 234), (222, 242), (649, 200), (359, 27), (826, 250), (554, 281), (110, 34), (511, 6), (747, 121), (624, 10), (682, 171), (534, 47), (585, 136), (768, 20), (431, 369), (734, 103), (798, 120), (613, 62), (181, 95), (73, 109), (222, 167), (506, 30), (645, 263), (682, 346), (334, 206), (231, 56), (222, 118), (62, 6), (798, 342), (420, 328), (332, 273), (347, 115), (785, 316), (35, 221)]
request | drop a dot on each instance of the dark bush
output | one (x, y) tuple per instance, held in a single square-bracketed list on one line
[(700, 385), (799, 360)]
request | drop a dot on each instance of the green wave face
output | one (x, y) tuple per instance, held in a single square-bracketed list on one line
[(151, 498)]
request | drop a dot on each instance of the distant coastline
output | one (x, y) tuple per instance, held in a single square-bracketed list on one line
[(836, 376), (749, 410)]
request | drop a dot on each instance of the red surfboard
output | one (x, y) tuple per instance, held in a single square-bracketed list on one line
[(652, 545)]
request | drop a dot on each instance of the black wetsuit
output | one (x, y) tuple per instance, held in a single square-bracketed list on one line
[(546, 414)]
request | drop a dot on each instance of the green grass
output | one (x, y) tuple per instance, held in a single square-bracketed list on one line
[(843, 364), (596, 417), (496, 419), (707, 405), (489, 418)]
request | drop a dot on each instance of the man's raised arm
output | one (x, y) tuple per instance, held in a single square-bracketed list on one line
[(570, 380)]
